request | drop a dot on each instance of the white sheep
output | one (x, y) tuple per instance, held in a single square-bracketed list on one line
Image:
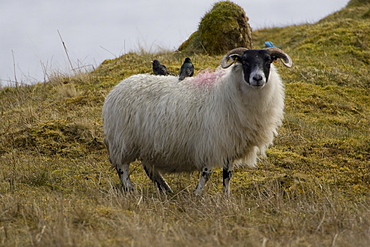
[(215, 119)]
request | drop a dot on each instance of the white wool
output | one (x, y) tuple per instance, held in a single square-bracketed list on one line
[(181, 127)]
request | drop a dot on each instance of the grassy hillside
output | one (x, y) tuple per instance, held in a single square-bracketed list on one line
[(57, 188)]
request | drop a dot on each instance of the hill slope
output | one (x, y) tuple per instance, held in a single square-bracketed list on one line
[(56, 187)]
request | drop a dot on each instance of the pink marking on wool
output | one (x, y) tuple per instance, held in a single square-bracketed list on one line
[(207, 78)]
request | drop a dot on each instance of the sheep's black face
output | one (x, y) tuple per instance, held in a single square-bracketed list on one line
[(256, 67)]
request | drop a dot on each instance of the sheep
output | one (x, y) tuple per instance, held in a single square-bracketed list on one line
[(219, 119)]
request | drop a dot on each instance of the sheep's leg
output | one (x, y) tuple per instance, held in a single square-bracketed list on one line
[(227, 173), (124, 176), (206, 173), (157, 178)]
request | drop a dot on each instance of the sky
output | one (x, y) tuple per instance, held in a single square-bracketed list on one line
[(33, 31)]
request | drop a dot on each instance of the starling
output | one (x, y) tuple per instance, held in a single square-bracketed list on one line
[(187, 69), (159, 69)]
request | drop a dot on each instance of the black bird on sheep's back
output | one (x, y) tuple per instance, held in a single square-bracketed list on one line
[(159, 69), (186, 70)]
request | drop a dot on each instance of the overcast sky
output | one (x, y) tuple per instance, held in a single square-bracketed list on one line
[(95, 30)]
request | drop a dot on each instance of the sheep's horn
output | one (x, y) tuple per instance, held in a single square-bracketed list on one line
[(225, 60), (285, 59)]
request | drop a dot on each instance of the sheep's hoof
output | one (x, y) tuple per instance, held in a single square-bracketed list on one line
[(165, 189), (197, 192), (128, 190)]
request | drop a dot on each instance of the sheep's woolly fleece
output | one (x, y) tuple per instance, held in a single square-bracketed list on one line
[(181, 126), (206, 77)]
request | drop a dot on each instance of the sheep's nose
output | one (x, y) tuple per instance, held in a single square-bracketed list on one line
[(257, 78)]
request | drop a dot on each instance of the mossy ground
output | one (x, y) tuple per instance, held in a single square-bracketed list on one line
[(57, 188)]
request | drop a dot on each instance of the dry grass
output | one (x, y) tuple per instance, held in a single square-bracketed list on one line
[(92, 212)]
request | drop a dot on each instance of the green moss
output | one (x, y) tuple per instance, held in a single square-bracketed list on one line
[(354, 3), (223, 28), (54, 138), (366, 15), (192, 44)]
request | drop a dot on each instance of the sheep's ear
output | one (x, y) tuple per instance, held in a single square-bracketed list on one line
[(236, 58), (229, 60)]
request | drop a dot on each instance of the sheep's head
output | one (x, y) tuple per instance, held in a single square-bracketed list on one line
[(256, 63)]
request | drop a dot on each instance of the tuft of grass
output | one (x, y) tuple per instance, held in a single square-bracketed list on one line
[(312, 189)]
